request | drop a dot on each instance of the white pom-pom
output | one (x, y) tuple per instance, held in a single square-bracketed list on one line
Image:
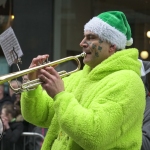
[(129, 42)]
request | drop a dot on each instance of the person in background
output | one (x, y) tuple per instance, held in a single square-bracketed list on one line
[(15, 96), (3, 98), (146, 120), (93, 108), (13, 127), (25, 79)]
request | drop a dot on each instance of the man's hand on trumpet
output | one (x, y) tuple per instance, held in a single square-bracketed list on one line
[(51, 81), (50, 78), (36, 62)]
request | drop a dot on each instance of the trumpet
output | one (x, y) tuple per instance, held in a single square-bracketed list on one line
[(30, 85)]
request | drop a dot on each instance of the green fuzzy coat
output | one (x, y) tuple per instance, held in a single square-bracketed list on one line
[(100, 109)]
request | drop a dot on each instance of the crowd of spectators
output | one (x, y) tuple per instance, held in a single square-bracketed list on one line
[(14, 124)]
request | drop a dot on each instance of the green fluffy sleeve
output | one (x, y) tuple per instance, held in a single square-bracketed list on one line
[(37, 107)]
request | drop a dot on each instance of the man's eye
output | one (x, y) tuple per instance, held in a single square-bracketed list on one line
[(90, 37)]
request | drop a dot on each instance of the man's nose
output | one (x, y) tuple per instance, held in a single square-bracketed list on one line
[(83, 43)]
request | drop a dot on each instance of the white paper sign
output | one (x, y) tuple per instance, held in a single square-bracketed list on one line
[(10, 46)]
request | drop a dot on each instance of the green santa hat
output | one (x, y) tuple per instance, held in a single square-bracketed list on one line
[(113, 27)]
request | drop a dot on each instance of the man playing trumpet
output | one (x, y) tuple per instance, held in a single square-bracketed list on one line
[(100, 107)]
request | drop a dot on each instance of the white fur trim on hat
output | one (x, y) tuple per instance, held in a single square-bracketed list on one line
[(106, 32), (129, 42)]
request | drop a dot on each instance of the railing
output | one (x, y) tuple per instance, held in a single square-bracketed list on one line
[(31, 141)]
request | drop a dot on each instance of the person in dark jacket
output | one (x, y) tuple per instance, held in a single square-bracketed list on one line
[(146, 120), (15, 97), (3, 97), (13, 127)]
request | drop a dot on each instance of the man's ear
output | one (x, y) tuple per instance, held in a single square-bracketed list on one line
[(112, 49)]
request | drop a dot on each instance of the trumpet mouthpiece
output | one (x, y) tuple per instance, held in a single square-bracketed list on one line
[(83, 54)]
